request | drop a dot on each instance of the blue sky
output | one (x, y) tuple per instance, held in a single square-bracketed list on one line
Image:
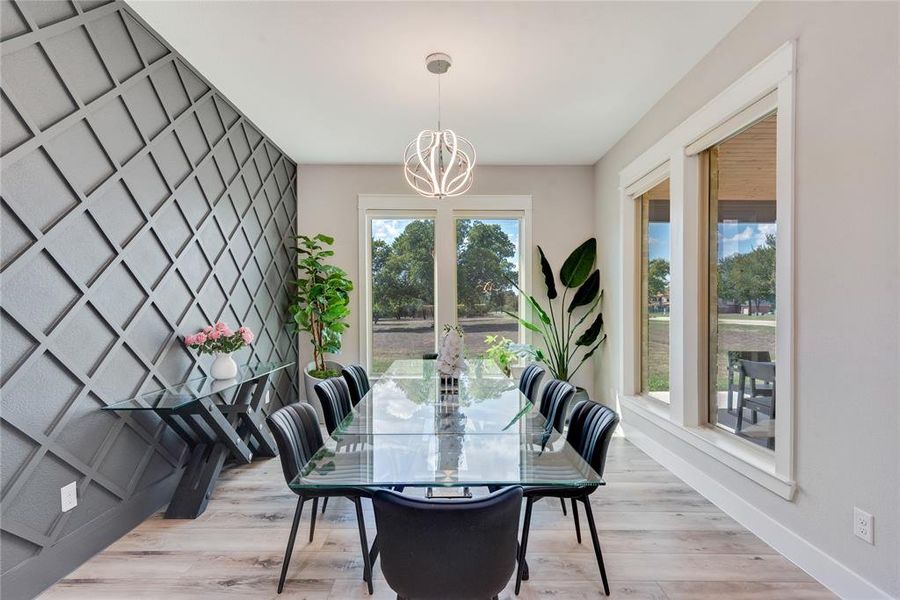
[(659, 240), (734, 238), (389, 229), (738, 238)]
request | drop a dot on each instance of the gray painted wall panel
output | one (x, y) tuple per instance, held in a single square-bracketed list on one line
[(136, 205)]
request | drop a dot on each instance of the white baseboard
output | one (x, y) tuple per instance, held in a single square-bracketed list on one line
[(834, 575)]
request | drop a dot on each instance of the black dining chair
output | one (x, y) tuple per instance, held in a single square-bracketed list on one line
[(298, 436), (555, 396), (447, 549), (357, 381), (756, 392), (591, 427), (334, 397), (530, 381), (734, 368)]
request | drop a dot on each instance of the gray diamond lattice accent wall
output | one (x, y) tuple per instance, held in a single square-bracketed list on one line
[(136, 205)]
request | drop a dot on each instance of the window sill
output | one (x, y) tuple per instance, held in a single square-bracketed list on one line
[(748, 459)]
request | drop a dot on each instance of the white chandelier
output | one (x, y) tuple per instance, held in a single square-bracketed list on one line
[(439, 163)]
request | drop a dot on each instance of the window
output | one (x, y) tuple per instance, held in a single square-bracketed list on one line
[(742, 299), (487, 264), (655, 294), (729, 168), (430, 263), (402, 271)]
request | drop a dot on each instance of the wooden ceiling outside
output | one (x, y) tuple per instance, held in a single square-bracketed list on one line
[(747, 163), (746, 166)]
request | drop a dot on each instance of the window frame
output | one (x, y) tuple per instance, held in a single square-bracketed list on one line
[(680, 154), (637, 191), (444, 212)]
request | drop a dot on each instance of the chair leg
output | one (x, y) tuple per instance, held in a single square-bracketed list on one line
[(593, 527), (367, 565), (524, 562), (324, 504), (373, 553), (290, 545), (312, 525), (562, 503), (525, 528), (577, 524)]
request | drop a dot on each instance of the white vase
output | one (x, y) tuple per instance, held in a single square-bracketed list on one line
[(224, 367)]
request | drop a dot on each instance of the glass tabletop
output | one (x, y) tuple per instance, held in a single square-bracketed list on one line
[(180, 395), (412, 430), (448, 460), (413, 400)]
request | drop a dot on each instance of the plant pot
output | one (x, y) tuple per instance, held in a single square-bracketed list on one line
[(580, 394), (310, 384), (223, 367)]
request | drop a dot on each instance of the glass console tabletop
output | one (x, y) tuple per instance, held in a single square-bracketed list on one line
[(409, 430), (180, 395)]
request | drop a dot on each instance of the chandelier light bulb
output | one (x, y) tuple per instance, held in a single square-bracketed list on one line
[(438, 163)]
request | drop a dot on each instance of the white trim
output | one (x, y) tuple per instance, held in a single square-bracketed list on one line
[(831, 573), (748, 459), (443, 211), (648, 181), (735, 124), (688, 408)]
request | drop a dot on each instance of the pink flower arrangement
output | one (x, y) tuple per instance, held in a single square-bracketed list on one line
[(219, 339)]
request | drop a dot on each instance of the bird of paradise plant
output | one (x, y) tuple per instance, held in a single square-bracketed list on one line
[(561, 325)]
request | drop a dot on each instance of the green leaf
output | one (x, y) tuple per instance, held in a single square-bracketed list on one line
[(542, 314), (587, 292), (590, 353), (590, 334), (327, 239), (549, 280), (578, 266), (525, 324)]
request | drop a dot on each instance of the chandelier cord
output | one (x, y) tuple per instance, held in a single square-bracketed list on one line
[(440, 146)]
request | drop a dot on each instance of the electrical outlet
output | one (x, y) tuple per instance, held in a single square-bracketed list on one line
[(863, 525), (68, 496)]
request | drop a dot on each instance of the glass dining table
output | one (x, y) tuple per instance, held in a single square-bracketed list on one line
[(412, 430)]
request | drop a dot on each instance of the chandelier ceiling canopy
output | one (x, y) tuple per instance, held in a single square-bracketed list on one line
[(438, 163)]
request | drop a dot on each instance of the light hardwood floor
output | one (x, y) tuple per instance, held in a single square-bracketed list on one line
[(661, 540)]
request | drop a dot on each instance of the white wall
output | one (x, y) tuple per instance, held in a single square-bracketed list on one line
[(562, 218), (846, 272)]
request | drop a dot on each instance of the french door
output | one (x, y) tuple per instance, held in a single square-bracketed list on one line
[(425, 263)]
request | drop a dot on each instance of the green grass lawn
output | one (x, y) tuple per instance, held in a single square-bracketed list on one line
[(733, 317), (732, 336)]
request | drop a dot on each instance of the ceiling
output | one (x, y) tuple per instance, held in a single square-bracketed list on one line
[(532, 82)]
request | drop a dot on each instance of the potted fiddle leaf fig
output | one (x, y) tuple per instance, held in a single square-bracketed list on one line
[(320, 307), (571, 325)]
